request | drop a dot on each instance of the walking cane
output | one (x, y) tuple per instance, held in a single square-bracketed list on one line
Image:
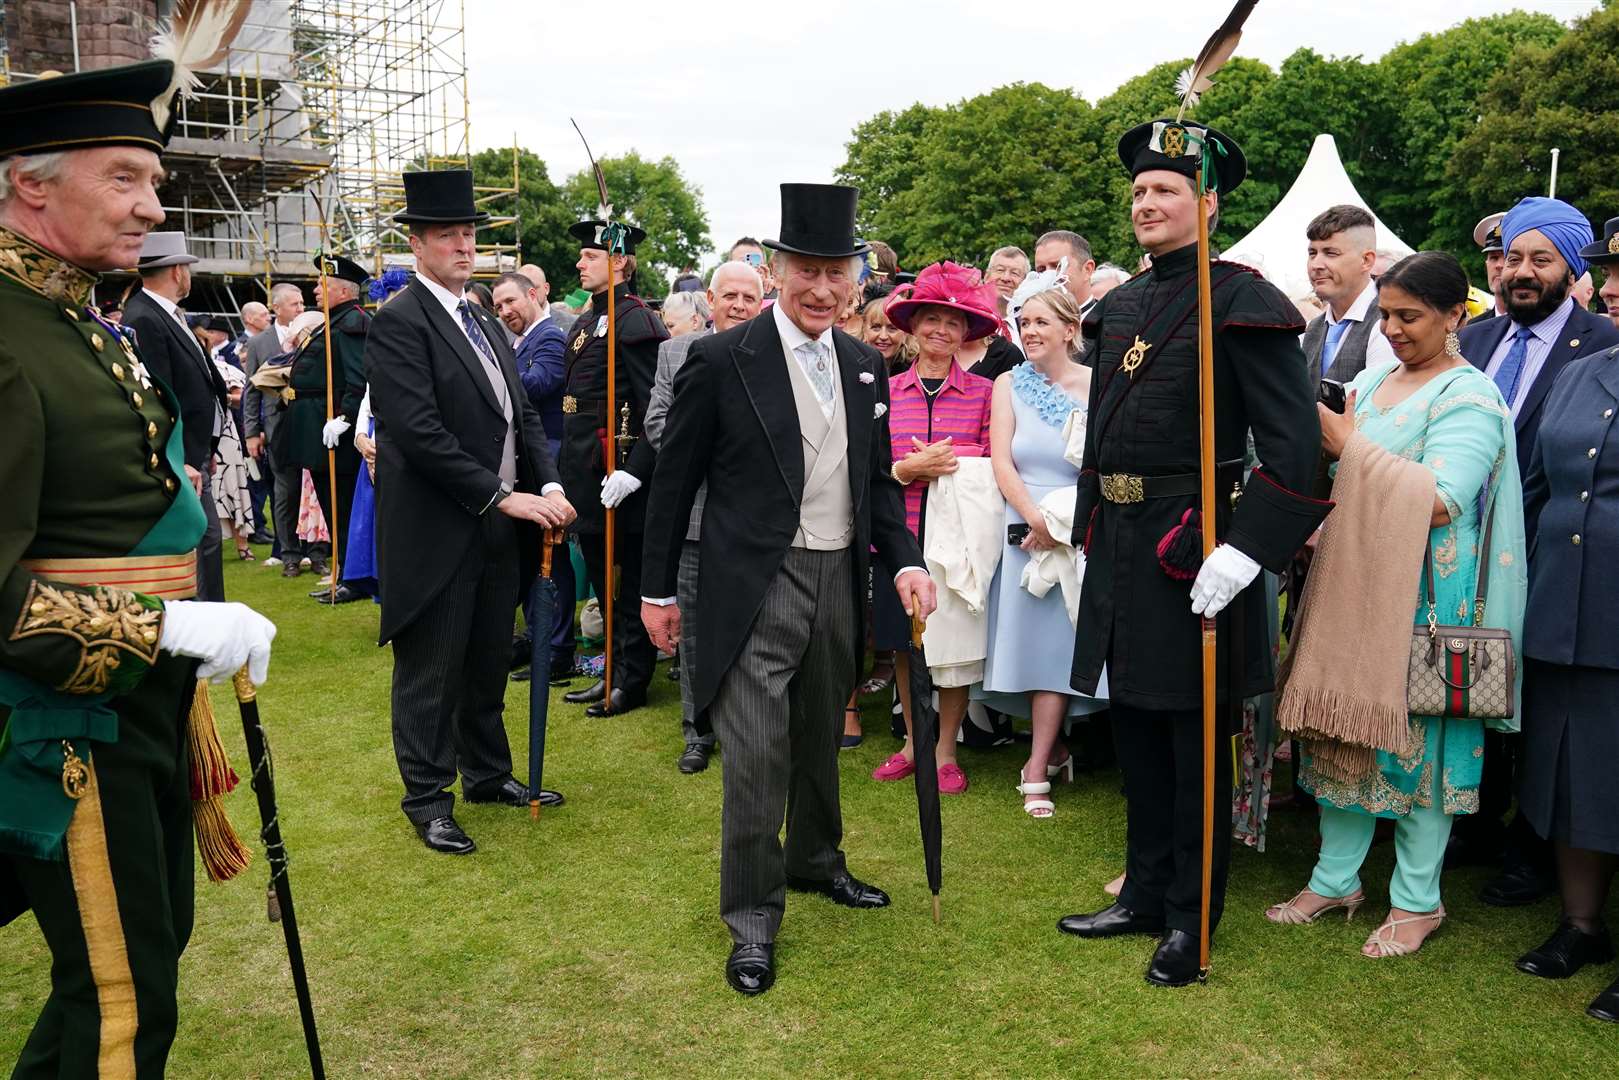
[(275, 852)]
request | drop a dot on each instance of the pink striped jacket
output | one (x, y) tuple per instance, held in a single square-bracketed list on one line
[(961, 411)]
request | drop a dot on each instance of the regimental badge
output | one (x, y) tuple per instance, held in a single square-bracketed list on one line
[(75, 773), (1134, 356), (579, 342), (1613, 244), (1174, 144)]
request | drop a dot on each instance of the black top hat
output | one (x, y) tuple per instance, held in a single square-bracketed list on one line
[(108, 107), (1604, 252), (440, 197), (344, 269), (593, 234), (818, 219), (1179, 147)]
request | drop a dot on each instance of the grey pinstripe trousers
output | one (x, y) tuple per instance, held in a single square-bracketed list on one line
[(686, 596), (778, 712)]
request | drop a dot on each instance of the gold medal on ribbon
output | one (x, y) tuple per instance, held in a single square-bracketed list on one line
[(75, 773), (1133, 357)]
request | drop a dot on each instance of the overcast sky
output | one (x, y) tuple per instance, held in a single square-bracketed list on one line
[(746, 96)]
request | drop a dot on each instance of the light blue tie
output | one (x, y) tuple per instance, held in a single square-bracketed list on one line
[(1510, 372), (815, 365), (1329, 350)]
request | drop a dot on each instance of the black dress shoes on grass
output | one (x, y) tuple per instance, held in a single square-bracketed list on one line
[(1176, 961), (592, 693), (845, 889), (444, 836), (1517, 885), (1115, 920), (620, 702), (1565, 952), (694, 760), (1606, 1005), (508, 792), (751, 970)]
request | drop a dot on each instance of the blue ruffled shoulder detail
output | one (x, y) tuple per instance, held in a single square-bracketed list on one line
[(1051, 401)]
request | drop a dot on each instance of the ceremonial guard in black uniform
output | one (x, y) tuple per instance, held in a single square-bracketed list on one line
[(637, 332), (305, 429), (1136, 510), (99, 641)]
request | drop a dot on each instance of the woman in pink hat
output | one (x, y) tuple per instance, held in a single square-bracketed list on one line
[(938, 412)]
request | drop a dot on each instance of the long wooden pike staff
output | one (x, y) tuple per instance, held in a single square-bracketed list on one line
[(1192, 83), (275, 852), (613, 240), (326, 269)]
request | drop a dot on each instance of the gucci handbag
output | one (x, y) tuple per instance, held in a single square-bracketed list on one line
[(1461, 672)]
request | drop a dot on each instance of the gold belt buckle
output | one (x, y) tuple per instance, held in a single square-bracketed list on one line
[(1123, 488), (570, 404)]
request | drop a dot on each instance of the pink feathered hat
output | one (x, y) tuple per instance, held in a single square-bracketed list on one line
[(946, 284)]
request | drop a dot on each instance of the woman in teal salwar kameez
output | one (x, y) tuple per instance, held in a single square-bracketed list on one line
[(1434, 408)]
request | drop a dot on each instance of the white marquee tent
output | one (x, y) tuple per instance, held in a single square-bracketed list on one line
[(1277, 247)]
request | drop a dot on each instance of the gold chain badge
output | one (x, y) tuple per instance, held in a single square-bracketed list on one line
[(1134, 356), (75, 773)]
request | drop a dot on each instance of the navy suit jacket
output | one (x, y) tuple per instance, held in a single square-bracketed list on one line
[(1583, 335), (540, 367)]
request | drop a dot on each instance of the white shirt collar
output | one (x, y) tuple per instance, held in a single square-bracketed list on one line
[(1357, 311), (450, 301), (283, 334), (792, 336), (164, 302)]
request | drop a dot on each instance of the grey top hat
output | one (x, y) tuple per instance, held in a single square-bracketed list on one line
[(164, 249)]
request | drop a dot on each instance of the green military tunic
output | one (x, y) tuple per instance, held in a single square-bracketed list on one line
[(92, 469), (306, 413)]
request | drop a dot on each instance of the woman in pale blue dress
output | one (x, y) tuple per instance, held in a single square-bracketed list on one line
[(1031, 640), (1431, 407)]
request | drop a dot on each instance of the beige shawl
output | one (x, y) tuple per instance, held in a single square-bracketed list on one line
[(1343, 684)]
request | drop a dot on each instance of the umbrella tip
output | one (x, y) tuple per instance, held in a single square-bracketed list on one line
[(534, 809)]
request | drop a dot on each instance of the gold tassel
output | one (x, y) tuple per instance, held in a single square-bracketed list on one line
[(212, 778)]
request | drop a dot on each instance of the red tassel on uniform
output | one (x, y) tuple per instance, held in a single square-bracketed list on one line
[(1180, 552)]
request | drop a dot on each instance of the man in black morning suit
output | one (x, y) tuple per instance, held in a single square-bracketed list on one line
[(464, 474), (784, 418), (171, 352)]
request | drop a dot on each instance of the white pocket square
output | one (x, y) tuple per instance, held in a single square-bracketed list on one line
[(878, 410)]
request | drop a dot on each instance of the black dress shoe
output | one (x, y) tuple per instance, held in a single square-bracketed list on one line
[(621, 702), (507, 791), (1606, 1005), (562, 670), (522, 675), (343, 595), (261, 537), (751, 970), (319, 567), (694, 760), (845, 889), (594, 692), (1176, 961), (443, 835), (1115, 920), (1517, 885), (1566, 951), (290, 567)]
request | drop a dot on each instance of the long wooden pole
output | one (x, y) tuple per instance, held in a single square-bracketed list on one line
[(331, 451), (1205, 385), (612, 465)]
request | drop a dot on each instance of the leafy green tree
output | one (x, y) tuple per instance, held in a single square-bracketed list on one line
[(655, 196), (1564, 95), (1437, 82), (543, 216), (883, 162)]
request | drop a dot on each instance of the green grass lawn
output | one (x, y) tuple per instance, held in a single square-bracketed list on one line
[(589, 944)]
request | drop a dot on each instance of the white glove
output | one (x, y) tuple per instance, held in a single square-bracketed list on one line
[(222, 636), (333, 431), (618, 487), (1225, 573)]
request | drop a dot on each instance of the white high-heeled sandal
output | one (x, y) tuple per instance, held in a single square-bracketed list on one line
[(1067, 767), (1034, 807), (1384, 947)]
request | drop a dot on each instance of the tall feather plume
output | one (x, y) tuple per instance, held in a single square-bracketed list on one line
[(1195, 80), (198, 35), (604, 208)]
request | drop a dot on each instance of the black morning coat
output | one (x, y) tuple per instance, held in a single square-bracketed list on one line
[(637, 332), (1134, 617), (734, 424), (173, 355), (440, 430)]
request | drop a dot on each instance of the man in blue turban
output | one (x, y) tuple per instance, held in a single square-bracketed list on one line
[(1543, 330)]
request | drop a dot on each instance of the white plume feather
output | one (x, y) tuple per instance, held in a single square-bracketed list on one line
[(199, 34), (1197, 79)]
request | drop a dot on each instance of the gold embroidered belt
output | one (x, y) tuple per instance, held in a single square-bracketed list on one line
[(168, 577)]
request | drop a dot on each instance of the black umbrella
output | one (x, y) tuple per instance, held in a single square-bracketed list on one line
[(924, 734), (542, 599)]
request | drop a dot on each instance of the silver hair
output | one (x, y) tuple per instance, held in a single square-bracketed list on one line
[(779, 260), (749, 267), (280, 290), (1108, 270), (681, 304), (37, 166), (253, 307), (1007, 252)]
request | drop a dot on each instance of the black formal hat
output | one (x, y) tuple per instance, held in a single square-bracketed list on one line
[(1180, 147), (440, 197), (344, 269), (116, 106), (1487, 233), (593, 234), (818, 219), (1604, 252)]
